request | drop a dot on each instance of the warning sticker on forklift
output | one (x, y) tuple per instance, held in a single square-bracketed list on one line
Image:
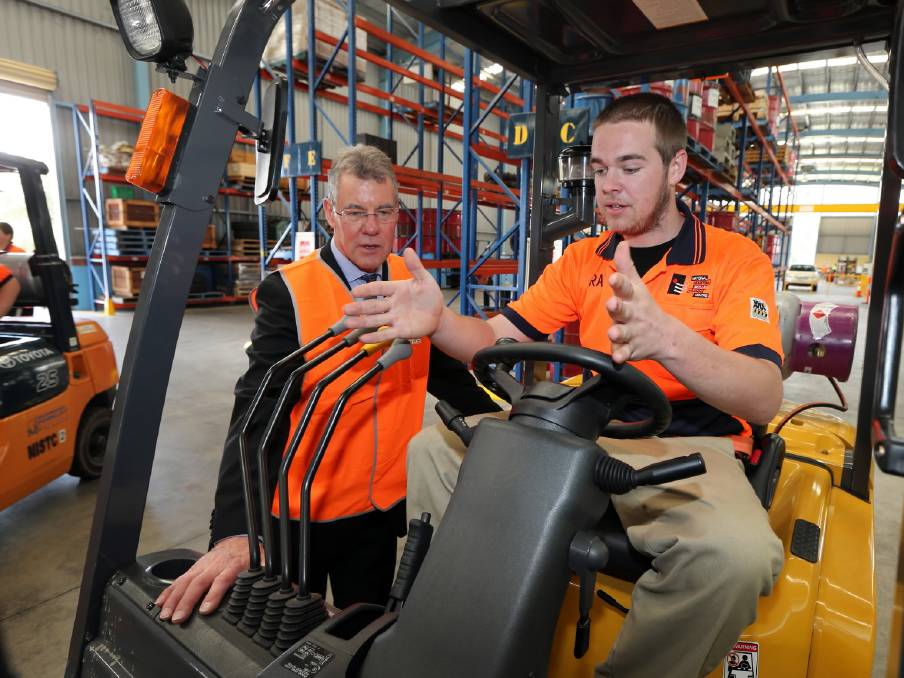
[(742, 661), (819, 320), (308, 659)]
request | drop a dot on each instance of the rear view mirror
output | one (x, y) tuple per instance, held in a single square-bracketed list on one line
[(270, 144)]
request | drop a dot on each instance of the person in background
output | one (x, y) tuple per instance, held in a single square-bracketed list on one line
[(9, 290), (6, 238)]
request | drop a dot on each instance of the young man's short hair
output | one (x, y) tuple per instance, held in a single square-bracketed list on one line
[(671, 130), (6, 229)]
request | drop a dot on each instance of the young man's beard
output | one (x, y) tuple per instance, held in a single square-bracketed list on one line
[(647, 224)]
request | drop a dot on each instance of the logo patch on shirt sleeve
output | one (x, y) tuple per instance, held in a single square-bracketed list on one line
[(759, 309), (677, 284)]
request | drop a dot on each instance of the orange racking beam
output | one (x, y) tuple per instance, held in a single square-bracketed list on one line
[(395, 68), (781, 82), (111, 110), (396, 41), (339, 81), (489, 267), (730, 188)]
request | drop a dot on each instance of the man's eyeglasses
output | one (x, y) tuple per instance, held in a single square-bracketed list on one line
[(356, 217)]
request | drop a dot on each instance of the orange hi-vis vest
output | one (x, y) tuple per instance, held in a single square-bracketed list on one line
[(363, 468)]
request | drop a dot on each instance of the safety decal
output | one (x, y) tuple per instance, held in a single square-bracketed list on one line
[(87, 328), (759, 309), (742, 661), (44, 421), (308, 660), (819, 320)]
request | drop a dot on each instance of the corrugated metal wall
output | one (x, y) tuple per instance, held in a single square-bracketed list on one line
[(90, 61)]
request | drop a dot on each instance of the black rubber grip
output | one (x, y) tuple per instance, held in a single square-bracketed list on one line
[(671, 470), (419, 535)]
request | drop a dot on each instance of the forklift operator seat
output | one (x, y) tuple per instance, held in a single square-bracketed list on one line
[(762, 467), (19, 264)]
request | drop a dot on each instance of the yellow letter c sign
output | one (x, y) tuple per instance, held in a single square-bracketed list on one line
[(567, 132)]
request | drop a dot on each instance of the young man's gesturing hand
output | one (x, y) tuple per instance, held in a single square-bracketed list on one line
[(641, 330)]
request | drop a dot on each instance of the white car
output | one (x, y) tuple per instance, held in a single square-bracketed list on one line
[(804, 275)]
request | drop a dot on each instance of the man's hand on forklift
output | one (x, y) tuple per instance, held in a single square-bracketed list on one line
[(212, 575), (410, 309)]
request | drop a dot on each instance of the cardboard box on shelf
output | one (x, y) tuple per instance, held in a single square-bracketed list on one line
[(210, 238), (329, 18), (707, 136), (693, 128), (695, 105), (121, 213), (126, 280), (724, 220), (732, 110)]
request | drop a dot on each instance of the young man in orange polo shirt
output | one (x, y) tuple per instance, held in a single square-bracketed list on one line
[(694, 308)]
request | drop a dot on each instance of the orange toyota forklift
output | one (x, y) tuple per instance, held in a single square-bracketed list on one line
[(57, 377)]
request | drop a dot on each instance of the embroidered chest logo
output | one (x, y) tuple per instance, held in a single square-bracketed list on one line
[(676, 286), (598, 280), (759, 309), (700, 286)]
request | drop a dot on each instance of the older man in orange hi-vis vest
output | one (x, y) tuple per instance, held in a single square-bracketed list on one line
[(358, 496)]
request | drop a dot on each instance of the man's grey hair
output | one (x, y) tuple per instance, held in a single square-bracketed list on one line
[(364, 162)]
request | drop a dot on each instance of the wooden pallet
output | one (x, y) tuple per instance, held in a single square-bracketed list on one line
[(754, 155), (758, 108), (249, 248)]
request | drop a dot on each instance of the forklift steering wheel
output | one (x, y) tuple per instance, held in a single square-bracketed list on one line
[(587, 410)]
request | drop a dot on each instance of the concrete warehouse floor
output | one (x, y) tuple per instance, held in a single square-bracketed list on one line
[(43, 538)]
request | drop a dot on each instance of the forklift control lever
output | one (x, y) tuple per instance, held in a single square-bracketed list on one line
[(454, 421), (420, 532), (616, 477), (586, 556)]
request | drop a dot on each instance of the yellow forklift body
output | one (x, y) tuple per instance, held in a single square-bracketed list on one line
[(820, 618)]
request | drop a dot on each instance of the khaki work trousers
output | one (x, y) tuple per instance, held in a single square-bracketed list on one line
[(714, 551)]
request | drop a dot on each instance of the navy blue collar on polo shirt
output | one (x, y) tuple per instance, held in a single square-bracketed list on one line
[(689, 245), (346, 269)]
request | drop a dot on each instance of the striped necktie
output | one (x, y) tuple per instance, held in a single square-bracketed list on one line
[(369, 278)]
